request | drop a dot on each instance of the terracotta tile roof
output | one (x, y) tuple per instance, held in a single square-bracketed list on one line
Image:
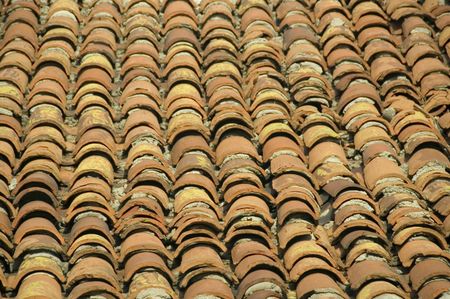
[(224, 149)]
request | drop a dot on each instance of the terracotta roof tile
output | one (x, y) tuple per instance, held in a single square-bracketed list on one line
[(257, 149)]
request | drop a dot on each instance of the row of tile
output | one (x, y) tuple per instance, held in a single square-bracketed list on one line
[(197, 225), (426, 157), (39, 238), (311, 262), (89, 202), (275, 264), (358, 234), (382, 171), (434, 13), (26, 224), (142, 224)]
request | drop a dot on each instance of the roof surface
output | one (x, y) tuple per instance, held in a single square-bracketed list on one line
[(213, 149)]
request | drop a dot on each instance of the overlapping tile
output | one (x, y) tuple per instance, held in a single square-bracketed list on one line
[(90, 217), (198, 223), (39, 245), (357, 232), (223, 149)]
